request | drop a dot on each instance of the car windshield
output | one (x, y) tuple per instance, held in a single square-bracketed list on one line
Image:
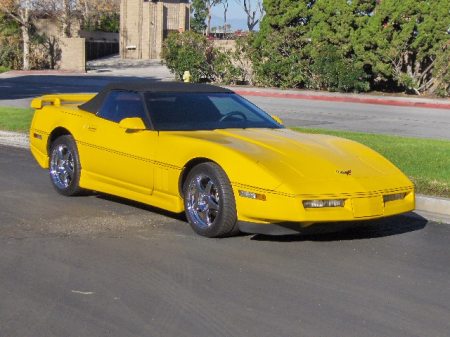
[(205, 111)]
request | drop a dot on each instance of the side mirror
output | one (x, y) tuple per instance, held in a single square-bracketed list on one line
[(134, 123), (277, 119)]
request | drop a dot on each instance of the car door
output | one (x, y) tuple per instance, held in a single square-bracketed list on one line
[(117, 156)]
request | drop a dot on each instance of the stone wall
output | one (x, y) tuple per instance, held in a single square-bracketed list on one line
[(225, 44), (144, 25), (73, 54)]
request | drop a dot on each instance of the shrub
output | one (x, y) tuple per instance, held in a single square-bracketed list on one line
[(188, 51), (278, 59), (10, 43), (441, 73), (333, 72), (193, 52), (241, 58), (223, 69)]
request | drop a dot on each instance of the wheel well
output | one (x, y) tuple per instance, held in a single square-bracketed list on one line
[(58, 132), (187, 168)]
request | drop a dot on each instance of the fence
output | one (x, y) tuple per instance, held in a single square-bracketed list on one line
[(100, 48)]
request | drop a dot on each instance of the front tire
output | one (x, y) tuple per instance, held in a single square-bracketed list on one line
[(209, 201), (64, 166)]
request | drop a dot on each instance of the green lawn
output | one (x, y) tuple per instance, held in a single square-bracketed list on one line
[(425, 161), (15, 119), (3, 69)]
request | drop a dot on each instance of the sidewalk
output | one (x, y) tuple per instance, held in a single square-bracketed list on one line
[(410, 101), (431, 208)]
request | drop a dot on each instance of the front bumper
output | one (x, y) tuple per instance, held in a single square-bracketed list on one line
[(285, 209)]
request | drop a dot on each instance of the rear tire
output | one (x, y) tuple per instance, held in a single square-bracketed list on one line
[(209, 201), (64, 166)]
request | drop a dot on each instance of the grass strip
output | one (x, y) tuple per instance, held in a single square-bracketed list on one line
[(425, 161), (15, 119), (3, 69)]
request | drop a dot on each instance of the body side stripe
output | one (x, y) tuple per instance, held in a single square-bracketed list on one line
[(101, 148)]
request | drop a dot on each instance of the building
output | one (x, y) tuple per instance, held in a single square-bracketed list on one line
[(144, 24)]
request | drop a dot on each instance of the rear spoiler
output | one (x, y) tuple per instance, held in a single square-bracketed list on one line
[(59, 99)]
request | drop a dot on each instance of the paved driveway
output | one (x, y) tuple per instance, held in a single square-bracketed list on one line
[(102, 266)]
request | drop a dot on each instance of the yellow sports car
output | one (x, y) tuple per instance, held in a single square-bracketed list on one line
[(208, 152)]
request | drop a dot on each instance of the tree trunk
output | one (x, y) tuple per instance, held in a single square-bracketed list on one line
[(251, 24), (208, 27), (25, 27), (26, 47), (66, 19), (225, 21)]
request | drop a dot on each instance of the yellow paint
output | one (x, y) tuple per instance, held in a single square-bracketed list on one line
[(286, 167)]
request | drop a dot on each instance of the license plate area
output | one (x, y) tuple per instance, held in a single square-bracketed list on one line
[(367, 207)]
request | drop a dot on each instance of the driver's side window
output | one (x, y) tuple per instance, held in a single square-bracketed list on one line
[(227, 105), (122, 104)]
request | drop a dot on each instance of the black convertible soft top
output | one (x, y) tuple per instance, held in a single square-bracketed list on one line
[(95, 103)]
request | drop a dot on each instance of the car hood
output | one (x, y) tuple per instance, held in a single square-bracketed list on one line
[(301, 161)]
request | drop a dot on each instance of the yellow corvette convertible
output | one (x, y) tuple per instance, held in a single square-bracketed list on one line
[(208, 152)]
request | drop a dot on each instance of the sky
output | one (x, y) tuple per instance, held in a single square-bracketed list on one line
[(235, 15), (235, 10)]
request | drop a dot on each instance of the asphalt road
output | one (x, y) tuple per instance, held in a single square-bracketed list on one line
[(403, 121), (101, 266), (383, 119)]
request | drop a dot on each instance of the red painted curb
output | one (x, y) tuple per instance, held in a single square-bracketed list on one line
[(364, 100)]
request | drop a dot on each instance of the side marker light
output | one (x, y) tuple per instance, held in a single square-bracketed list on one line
[(252, 195)]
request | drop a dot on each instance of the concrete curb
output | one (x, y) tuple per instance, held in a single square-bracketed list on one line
[(347, 98), (14, 139), (432, 208)]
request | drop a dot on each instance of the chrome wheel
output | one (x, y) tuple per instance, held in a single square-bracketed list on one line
[(62, 166), (203, 201)]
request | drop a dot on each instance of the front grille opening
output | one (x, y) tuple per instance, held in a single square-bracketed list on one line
[(394, 197)]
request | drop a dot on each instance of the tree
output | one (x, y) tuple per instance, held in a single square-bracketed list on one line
[(63, 12), (24, 11), (199, 14), (99, 14), (308, 43), (10, 43), (209, 6), (253, 15), (202, 11), (404, 40), (225, 10), (280, 56), (332, 27), (21, 11)]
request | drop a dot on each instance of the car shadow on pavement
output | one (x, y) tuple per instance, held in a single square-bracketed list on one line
[(360, 230), (144, 207), (396, 225)]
